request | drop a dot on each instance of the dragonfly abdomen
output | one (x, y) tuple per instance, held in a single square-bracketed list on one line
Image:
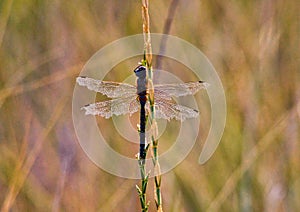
[(141, 82)]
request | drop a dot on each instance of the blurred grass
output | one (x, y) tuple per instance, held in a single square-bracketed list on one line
[(254, 46)]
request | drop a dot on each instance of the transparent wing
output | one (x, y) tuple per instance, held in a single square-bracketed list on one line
[(111, 107), (110, 89), (166, 109), (180, 89)]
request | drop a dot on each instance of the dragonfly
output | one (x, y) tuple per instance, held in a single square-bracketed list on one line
[(128, 99)]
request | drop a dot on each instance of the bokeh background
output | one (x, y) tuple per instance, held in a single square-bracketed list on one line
[(254, 46)]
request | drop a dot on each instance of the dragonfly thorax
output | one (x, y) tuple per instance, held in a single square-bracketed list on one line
[(141, 82)]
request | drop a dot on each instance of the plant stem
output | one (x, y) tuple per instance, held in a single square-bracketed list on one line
[(166, 30), (152, 121), (142, 191)]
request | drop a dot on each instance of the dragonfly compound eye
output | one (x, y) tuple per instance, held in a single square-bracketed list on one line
[(140, 71)]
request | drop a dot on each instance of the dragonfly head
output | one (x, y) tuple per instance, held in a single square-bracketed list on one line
[(140, 72)]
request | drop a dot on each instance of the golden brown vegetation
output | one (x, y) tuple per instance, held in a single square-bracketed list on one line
[(254, 46)]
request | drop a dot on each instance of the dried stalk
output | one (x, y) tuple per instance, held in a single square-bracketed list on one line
[(152, 121)]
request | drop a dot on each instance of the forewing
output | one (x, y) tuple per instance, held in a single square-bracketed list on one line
[(111, 107), (166, 109), (110, 89), (180, 89)]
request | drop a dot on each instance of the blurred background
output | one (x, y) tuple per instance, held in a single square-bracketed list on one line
[(254, 46)]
